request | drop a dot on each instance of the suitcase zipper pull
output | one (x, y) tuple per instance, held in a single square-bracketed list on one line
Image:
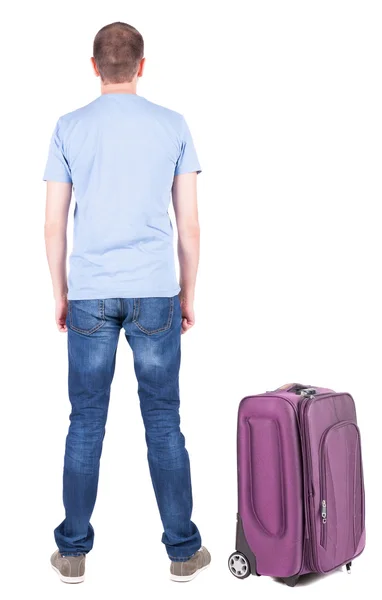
[(323, 511)]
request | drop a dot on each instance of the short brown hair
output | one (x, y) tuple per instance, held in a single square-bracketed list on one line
[(118, 50)]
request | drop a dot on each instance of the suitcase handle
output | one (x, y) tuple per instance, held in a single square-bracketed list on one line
[(297, 388)]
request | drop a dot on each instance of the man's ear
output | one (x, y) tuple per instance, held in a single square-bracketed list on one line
[(141, 67), (94, 65)]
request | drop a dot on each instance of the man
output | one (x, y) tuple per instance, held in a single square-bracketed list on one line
[(123, 156)]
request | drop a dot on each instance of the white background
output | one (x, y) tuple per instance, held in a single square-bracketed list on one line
[(284, 103)]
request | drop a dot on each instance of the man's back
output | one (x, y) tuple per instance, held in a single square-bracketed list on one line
[(121, 152), (125, 158)]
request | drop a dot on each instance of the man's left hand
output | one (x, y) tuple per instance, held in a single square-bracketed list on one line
[(61, 312)]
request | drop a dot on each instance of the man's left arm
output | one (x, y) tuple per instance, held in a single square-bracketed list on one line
[(58, 198)]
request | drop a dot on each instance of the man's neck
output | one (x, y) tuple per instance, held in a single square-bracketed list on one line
[(119, 88)]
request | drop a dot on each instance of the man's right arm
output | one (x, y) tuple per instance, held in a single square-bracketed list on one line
[(184, 198)]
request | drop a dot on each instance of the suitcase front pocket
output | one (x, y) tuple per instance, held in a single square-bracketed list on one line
[(266, 476), (341, 491)]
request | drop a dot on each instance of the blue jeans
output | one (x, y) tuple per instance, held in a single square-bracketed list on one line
[(153, 328)]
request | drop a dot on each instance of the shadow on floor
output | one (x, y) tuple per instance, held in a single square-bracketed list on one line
[(309, 578)]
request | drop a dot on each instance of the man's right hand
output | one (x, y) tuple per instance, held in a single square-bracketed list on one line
[(61, 312)]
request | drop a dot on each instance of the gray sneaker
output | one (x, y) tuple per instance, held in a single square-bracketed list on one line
[(185, 571), (71, 569)]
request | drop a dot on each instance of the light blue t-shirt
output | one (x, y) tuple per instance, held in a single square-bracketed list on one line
[(121, 153)]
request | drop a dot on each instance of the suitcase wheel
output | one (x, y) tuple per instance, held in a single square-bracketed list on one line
[(348, 568), (239, 565)]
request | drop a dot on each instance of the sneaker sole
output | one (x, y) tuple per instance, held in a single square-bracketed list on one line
[(68, 579), (185, 578)]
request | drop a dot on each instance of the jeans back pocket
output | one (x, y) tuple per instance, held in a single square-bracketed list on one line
[(153, 315), (86, 316)]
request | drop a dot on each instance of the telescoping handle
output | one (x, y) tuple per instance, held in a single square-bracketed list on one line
[(297, 388)]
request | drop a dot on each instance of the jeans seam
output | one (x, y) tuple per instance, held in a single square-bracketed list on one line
[(101, 309), (136, 309)]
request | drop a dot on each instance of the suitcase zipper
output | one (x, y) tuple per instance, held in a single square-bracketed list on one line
[(324, 507), (310, 504), (324, 529)]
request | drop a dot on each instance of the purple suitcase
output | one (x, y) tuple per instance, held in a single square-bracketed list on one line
[(300, 484)]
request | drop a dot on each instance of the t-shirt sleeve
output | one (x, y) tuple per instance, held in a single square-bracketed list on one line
[(188, 160), (57, 167)]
